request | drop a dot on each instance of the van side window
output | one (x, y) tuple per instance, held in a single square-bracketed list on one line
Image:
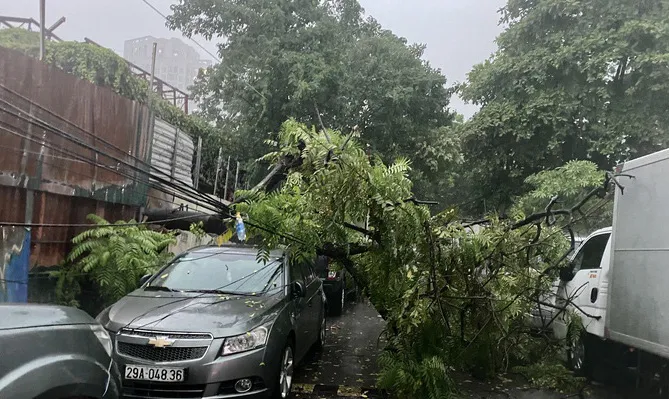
[(590, 253)]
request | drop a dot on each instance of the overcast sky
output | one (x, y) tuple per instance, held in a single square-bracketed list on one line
[(458, 33)]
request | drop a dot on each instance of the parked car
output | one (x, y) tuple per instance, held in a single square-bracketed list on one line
[(54, 352), (542, 316), (217, 322), (337, 284)]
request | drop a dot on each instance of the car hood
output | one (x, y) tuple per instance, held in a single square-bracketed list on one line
[(15, 315), (220, 315)]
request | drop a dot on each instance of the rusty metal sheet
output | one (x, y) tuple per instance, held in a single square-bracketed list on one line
[(96, 117), (67, 188)]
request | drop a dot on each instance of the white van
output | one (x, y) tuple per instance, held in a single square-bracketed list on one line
[(617, 281)]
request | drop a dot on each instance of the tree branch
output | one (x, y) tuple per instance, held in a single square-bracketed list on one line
[(548, 213), (320, 120), (275, 170)]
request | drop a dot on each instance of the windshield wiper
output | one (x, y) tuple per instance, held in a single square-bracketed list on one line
[(221, 292), (158, 288)]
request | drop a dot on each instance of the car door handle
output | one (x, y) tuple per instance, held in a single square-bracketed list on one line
[(593, 295)]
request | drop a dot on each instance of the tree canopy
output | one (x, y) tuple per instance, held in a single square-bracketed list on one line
[(571, 80), (324, 64)]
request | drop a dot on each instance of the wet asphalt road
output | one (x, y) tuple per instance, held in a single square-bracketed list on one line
[(347, 367)]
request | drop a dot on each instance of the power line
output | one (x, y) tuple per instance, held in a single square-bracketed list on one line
[(208, 52), (94, 226), (191, 191), (190, 38), (114, 170), (48, 127), (77, 140)]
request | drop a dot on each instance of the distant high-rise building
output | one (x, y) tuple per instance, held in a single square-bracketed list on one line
[(176, 62)]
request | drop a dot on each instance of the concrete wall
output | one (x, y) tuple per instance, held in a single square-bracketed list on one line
[(187, 240)]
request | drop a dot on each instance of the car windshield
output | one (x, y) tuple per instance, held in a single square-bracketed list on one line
[(221, 272)]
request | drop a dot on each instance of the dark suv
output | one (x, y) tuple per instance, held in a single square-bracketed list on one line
[(337, 284), (54, 352)]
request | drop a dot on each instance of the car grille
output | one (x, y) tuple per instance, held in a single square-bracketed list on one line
[(144, 390), (169, 354), (171, 335)]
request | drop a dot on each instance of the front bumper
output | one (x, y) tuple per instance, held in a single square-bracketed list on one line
[(114, 382), (210, 377)]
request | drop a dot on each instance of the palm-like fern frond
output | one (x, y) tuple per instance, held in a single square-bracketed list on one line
[(114, 256)]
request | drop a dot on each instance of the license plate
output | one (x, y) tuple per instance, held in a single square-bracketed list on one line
[(150, 373)]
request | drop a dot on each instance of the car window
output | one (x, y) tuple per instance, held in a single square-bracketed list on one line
[(590, 253), (296, 272), (235, 273), (307, 272)]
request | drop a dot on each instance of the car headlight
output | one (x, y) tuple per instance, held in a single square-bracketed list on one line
[(245, 342), (103, 336)]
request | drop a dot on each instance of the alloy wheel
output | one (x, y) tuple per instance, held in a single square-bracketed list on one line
[(286, 376)]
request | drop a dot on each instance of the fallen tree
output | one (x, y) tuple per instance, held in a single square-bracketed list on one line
[(452, 300)]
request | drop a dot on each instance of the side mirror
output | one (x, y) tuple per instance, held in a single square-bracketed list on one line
[(566, 273), (298, 290), (144, 279)]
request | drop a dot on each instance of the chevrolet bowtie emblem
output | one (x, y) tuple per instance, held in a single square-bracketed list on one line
[(161, 342)]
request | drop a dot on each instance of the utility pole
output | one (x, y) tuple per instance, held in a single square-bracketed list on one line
[(42, 29), (218, 169), (236, 176), (153, 72), (198, 162), (227, 170)]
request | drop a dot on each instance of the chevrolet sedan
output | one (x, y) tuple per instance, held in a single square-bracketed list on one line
[(217, 322)]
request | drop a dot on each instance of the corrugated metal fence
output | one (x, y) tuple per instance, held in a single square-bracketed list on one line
[(172, 152)]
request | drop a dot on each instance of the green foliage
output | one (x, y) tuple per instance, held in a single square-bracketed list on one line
[(197, 229), (569, 183), (21, 40), (114, 257), (418, 371), (98, 65), (551, 375), (571, 80), (452, 299), (283, 59)]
